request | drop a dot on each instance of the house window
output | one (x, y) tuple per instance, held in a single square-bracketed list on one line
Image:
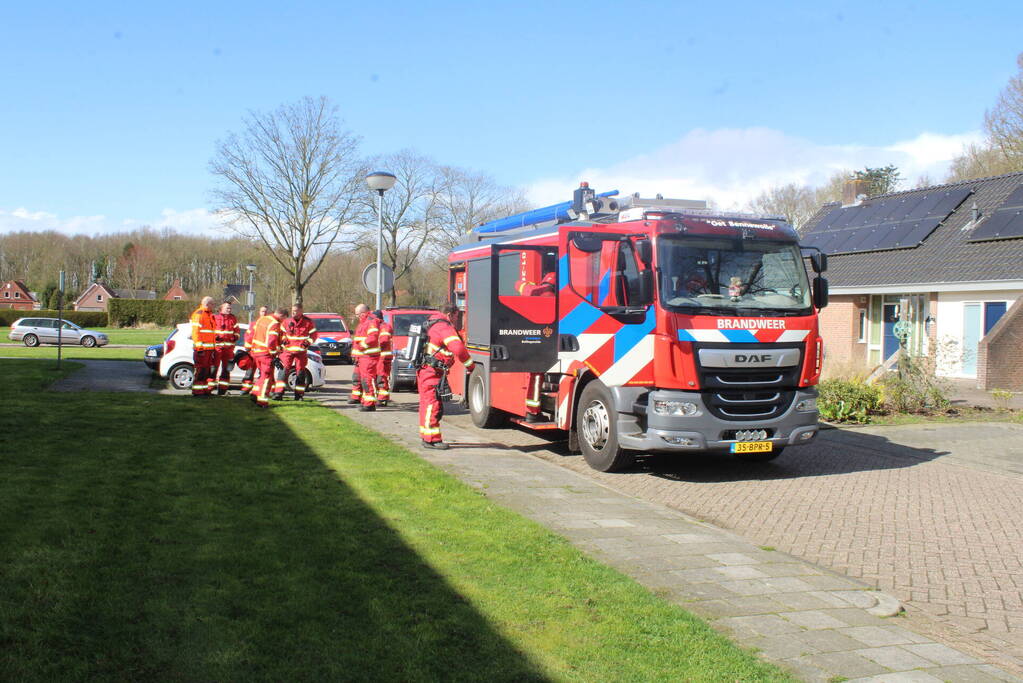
[(863, 325), (17, 295), (7, 295), (177, 297), (99, 297)]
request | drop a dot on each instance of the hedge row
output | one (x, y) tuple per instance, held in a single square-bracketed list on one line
[(83, 318), (131, 312)]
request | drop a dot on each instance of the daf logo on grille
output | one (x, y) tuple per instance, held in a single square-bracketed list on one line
[(753, 358)]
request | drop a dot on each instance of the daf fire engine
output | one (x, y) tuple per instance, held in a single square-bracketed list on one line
[(651, 325)]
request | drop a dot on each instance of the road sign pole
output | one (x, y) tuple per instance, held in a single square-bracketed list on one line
[(60, 316)]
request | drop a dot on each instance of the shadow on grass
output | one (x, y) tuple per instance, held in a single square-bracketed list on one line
[(149, 537)]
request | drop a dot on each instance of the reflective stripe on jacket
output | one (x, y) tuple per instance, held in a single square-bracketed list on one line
[(266, 335), (366, 340), (386, 350), (297, 334), (225, 329), (444, 344), (204, 336)]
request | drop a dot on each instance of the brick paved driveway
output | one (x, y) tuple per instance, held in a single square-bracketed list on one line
[(932, 515)]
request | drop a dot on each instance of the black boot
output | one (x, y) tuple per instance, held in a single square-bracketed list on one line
[(534, 417), (437, 445)]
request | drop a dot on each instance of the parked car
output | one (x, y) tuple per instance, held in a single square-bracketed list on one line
[(333, 338), (36, 331), (152, 357), (176, 362), (402, 373)]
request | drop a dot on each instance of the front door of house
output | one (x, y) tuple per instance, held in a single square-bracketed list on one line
[(891, 342)]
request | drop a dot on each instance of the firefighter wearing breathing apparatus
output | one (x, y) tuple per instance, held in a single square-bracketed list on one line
[(443, 347)]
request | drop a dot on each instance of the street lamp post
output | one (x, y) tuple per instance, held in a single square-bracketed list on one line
[(380, 182), (251, 302)]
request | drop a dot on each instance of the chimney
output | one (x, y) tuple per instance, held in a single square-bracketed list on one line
[(852, 190)]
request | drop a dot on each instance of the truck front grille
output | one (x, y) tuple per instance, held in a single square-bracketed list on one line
[(748, 394)]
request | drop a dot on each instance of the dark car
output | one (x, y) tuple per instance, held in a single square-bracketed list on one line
[(402, 373), (152, 358)]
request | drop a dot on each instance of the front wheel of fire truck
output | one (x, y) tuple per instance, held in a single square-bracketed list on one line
[(597, 425), (484, 415)]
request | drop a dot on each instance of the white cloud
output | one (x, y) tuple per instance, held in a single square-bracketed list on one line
[(732, 166), (189, 221)]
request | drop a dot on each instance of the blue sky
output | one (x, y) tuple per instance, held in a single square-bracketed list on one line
[(111, 111)]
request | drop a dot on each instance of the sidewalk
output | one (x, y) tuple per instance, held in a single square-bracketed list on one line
[(820, 625), (964, 392)]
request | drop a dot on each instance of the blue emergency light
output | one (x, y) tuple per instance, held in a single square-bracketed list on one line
[(555, 212)]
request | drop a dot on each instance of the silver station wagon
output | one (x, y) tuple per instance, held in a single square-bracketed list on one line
[(36, 331)]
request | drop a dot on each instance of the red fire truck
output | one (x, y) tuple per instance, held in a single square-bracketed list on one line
[(652, 325)]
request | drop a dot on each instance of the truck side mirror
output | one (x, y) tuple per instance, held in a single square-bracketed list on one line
[(645, 251), (820, 292), (646, 287), (819, 262)]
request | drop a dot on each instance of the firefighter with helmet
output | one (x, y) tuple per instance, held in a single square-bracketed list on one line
[(366, 350), (204, 346), (226, 334), (265, 348), (443, 348), (298, 333), (383, 371)]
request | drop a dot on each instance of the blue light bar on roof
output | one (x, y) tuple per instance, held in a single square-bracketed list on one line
[(555, 212)]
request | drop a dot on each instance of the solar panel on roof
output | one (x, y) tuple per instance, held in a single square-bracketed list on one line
[(891, 237), (865, 239), (1006, 221), (948, 201), (904, 207), (891, 223), (869, 215), (919, 231), (838, 245)]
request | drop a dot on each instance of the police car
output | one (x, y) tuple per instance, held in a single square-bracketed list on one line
[(176, 362)]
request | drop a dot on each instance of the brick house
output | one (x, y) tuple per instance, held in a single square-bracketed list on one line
[(14, 294), (945, 261), (175, 292), (97, 295)]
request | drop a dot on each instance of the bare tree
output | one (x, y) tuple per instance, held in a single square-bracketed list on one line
[(470, 198), (796, 202), (290, 181), (1003, 123), (980, 161), (412, 213), (137, 265)]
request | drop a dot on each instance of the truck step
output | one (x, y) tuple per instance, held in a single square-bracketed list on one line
[(535, 425)]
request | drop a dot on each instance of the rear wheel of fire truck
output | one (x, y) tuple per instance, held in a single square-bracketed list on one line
[(597, 425), (484, 415)]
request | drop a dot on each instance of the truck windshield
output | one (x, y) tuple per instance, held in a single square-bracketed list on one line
[(741, 277)]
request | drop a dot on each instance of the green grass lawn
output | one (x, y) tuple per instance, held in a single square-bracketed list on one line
[(127, 335), (190, 539), (73, 352)]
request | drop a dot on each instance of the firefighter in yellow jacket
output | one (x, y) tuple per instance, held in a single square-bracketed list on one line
[(204, 348)]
